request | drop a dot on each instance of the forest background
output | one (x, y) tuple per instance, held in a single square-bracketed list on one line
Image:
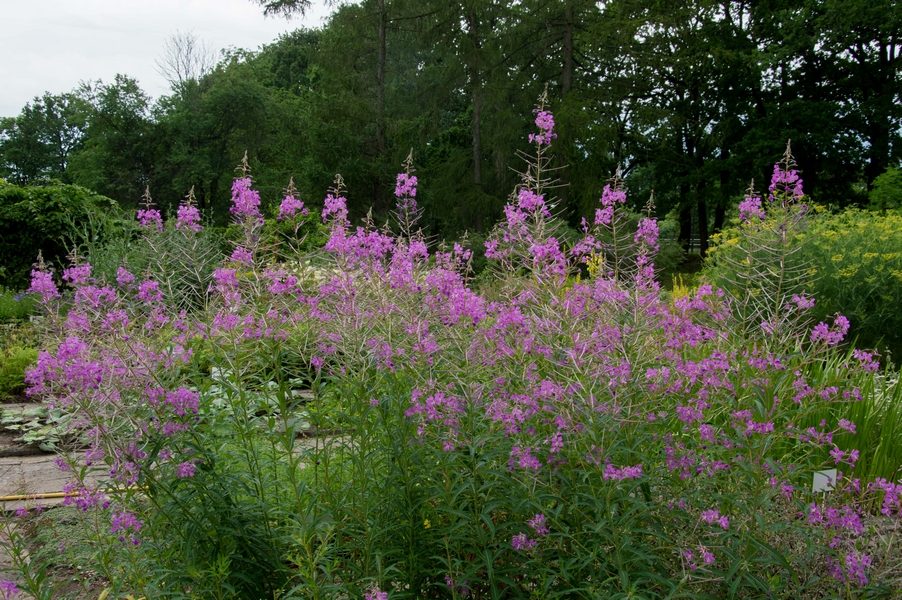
[(687, 98)]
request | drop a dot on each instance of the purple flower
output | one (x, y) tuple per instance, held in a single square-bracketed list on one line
[(406, 187), (831, 336), (225, 278), (538, 524), (610, 198), (242, 255), (847, 425), (77, 274), (149, 291), (123, 277), (150, 218), (866, 360), (335, 207), (713, 517), (9, 589), (185, 470), (751, 207), (125, 524), (42, 284), (245, 201), (524, 459), (375, 594), (183, 401), (530, 202), (521, 542), (188, 218), (545, 123), (647, 234), (785, 184), (803, 302), (290, 206), (620, 473), (856, 567)]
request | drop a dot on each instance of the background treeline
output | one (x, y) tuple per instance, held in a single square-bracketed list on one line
[(691, 99)]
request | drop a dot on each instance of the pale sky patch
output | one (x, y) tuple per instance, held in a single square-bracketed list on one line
[(52, 45)]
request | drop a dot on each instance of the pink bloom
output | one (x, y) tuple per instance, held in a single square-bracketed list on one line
[(123, 277), (647, 234), (8, 589), (242, 255), (406, 192), (149, 291), (750, 208), (150, 218), (42, 284), (620, 473), (529, 201), (545, 123), (538, 525), (185, 470), (521, 542), (831, 336), (77, 274), (188, 218), (290, 206), (785, 185), (245, 201), (713, 517), (335, 207)]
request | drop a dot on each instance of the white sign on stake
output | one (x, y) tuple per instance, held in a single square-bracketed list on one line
[(823, 481)]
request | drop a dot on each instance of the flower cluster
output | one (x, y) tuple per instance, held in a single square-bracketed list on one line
[(750, 208), (290, 207), (150, 218), (245, 200), (188, 218), (545, 122)]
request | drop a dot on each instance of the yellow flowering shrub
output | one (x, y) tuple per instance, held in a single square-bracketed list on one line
[(853, 265)]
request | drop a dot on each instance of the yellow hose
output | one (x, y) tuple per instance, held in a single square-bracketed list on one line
[(54, 495), (44, 496)]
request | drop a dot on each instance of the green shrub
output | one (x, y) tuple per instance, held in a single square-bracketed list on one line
[(49, 219), (16, 307), (13, 363), (856, 270), (850, 262), (887, 190)]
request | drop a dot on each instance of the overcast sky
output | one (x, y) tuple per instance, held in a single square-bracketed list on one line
[(52, 45)]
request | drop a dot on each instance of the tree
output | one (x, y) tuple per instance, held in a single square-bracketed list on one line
[(38, 144), (116, 158), (185, 59)]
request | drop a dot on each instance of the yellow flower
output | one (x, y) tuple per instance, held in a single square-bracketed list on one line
[(426, 524)]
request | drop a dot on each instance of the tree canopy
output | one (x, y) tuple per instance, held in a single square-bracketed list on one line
[(689, 99)]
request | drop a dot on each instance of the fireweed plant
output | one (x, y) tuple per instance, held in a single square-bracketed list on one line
[(373, 426)]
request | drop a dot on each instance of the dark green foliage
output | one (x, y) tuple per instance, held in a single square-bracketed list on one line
[(13, 363), (687, 98), (16, 307), (51, 220), (887, 190)]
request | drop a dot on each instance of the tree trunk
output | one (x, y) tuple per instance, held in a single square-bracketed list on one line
[(567, 71), (380, 81), (476, 95), (720, 209), (702, 209), (379, 196), (685, 237)]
